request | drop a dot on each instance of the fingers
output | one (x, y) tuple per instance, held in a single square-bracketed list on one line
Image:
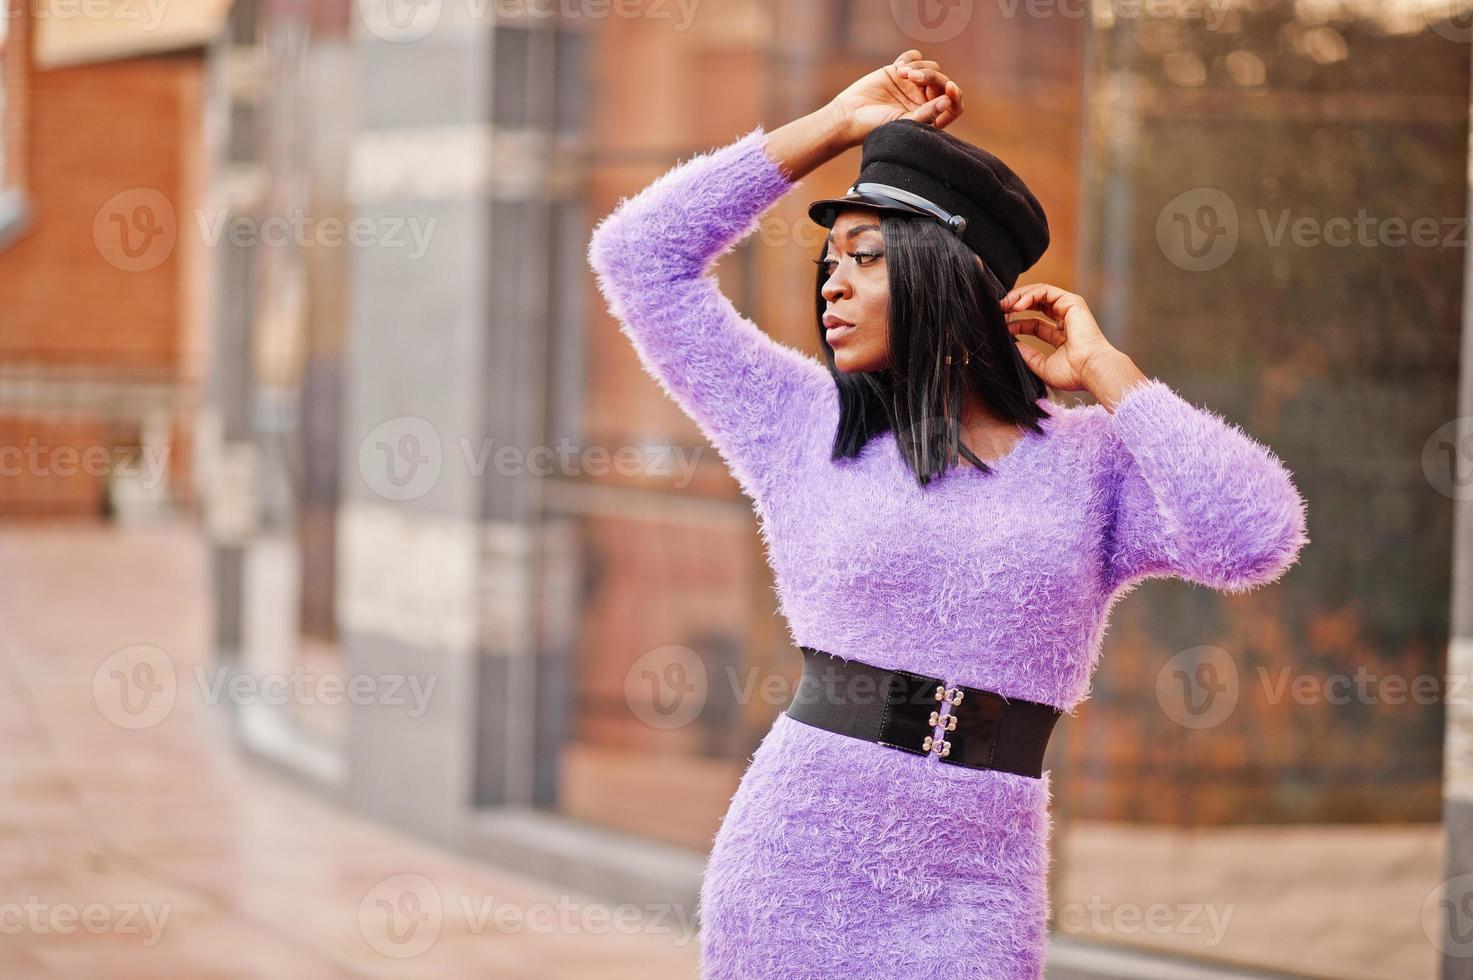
[(932, 85), (1044, 297), (953, 92), (1035, 360), (928, 76), (1069, 311), (931, 111), (1038, 325)]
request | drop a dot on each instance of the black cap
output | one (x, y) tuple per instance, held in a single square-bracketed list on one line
[(910, 167)]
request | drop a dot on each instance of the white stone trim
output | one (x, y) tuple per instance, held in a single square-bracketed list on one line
[(437, 582), (1457, 765)]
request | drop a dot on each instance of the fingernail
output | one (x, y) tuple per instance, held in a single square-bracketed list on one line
[(944, 102)]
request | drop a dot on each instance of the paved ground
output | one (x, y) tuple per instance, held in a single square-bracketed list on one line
[(157, 854)]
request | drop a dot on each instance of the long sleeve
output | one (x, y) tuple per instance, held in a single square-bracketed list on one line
[(750, 395), (1194, 496)]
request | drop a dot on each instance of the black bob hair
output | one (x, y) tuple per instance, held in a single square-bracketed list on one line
[(940, 303)]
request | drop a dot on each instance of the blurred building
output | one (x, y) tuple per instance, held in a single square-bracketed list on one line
[(103, 316)]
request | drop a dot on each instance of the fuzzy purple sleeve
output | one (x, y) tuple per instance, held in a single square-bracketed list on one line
[(750, 395), (1195, 497)]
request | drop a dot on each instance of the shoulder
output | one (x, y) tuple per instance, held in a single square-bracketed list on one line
[(1083, 441), (1077, 423)]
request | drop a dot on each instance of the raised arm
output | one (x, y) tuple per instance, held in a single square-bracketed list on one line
[(1194, 496), (1185, 492), (752, 397), (746, 391)]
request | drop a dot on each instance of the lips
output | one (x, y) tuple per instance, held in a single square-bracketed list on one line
[(836, 327)]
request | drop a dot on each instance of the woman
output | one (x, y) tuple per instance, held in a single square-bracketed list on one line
[(931, 520)]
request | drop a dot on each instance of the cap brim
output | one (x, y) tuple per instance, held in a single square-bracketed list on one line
[(824, 212)]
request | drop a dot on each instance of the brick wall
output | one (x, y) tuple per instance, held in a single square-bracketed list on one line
[(97, 332)]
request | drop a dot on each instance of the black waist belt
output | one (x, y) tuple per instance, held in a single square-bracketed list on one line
[(907, 711)]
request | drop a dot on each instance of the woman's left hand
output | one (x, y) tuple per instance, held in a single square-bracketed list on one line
[(1078, 340)]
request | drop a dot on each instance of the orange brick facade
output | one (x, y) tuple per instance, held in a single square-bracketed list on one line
[(69, 314)]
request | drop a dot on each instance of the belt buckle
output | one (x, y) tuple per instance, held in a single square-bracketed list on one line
[(906, 723), (967, 738)]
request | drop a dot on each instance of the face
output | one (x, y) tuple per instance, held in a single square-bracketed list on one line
[(857, 292)]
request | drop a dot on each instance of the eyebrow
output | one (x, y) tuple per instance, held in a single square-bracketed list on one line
[(852, 232)]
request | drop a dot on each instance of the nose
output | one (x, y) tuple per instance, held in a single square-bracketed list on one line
[(837, 286)]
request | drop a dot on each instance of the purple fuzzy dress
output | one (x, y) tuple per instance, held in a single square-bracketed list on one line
[(842, 859)]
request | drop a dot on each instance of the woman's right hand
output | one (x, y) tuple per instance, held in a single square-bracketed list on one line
[(908, 88)]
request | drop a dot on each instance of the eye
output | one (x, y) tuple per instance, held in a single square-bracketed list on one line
[(862, 258)]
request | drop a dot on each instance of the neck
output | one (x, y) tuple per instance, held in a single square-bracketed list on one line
[(982, 430), (976, 416)]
